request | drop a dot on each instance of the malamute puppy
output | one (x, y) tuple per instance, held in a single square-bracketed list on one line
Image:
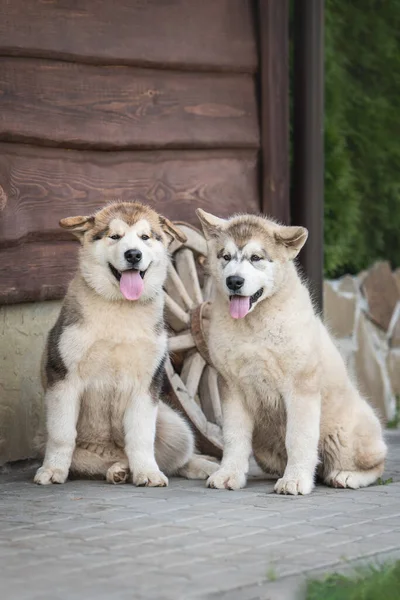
[(105, 355), (287, 395)]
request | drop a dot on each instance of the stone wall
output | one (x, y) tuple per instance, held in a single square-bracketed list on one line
[(363, 313), (23, 330)]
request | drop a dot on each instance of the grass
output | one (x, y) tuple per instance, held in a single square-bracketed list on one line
[(384, 481), (373, 583)]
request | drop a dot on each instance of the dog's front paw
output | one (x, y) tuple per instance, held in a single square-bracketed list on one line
[(226, 480), (117, 473), (47, 475), (150, 479), (302, 484)]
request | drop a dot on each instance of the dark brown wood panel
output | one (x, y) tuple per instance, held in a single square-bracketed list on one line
[(31, 272), (273, 21), (38, 186), (196, 34), (59, 103)]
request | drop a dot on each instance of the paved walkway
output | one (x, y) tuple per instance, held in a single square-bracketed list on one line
[(89, 540)]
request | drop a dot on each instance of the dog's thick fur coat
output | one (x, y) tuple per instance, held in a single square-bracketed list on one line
[(104, 360), (287, 394)]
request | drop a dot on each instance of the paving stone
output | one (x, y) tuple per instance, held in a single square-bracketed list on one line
[(88, 539)]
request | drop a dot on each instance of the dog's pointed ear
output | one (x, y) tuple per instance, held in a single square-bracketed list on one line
[(77, 225), (211, 225), (172, 230), (292, 239)]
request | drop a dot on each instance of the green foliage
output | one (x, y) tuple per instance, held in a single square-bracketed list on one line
[(374, 583), (362, 134), (384, 481)]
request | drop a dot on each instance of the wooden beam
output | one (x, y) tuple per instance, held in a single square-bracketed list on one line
[(308, 149), (273, 31)]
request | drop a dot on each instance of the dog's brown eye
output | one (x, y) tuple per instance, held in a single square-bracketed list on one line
[(255, 258), (227, 257), (145, 237), (115, 236)]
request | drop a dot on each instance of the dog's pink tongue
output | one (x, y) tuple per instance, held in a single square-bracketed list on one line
[(131, 285), (239, 306)]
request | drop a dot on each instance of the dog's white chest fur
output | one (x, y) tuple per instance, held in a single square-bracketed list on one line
[(114, 345), (255, 364)]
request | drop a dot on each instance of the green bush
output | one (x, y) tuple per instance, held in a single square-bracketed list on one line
[(362, 134)]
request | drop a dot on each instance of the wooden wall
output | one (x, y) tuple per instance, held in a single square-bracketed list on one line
[(154, 100)]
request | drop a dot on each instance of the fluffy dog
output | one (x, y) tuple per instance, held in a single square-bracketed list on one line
[(287, 395), (105, 356)]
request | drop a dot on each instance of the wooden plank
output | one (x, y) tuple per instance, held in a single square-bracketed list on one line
[(181, 33), (36, 271), (273, 20), (39, 186), (84, 106)]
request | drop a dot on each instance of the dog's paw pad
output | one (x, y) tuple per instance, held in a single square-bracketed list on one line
[(222, 480), (117, 473), (294, 486), (152, 479), (47, 475)]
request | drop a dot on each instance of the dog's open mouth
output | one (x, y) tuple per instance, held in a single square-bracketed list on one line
[(130, 282), (117, 274), (239, 306)]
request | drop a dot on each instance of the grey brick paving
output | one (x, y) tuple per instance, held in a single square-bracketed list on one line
[(88, 539)]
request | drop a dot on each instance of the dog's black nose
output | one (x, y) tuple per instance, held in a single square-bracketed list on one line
[(234, 282), (133, 256)]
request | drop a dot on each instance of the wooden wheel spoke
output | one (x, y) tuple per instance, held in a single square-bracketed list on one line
[(179, 343), (176, 316), (192, 374), (190, 407), (180, 289), (186, 267), (209, 395), (195, 240)]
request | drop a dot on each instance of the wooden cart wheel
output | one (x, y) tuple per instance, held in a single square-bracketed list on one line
[(192, 380)]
